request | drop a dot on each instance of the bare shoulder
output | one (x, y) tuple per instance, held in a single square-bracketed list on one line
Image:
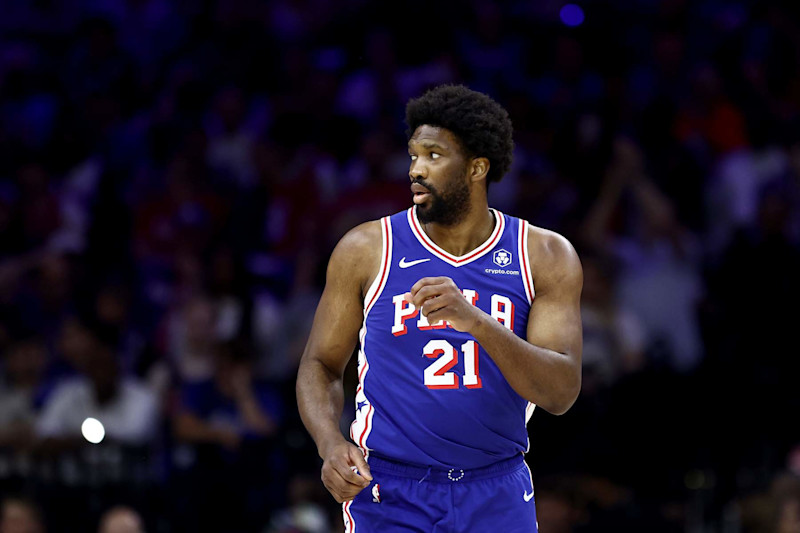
[(553, 259), (357, 255)]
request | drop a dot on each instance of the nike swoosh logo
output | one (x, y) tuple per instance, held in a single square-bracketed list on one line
[(527, 496), (403, 263)]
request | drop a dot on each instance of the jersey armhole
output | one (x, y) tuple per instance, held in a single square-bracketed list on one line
[(383, 272), (527, 282), (525, 263)]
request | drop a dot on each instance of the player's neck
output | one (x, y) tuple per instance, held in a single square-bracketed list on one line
[(466, 235)]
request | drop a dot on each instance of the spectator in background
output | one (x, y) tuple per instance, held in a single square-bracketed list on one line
[(72, 344), (365, 90), (228, 293), (121, 519), (45, 292), (306, 510), (38, 216), (19, 515), (173, 228), (732, 191), (613, 337), (112, 307), (659, 281), (230, 406), (227, 426), (136, 353), (191, 336), (660, 277), (23, 390), (230, 144), (127, 410)]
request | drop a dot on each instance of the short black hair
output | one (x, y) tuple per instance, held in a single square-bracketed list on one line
[(481, 125)]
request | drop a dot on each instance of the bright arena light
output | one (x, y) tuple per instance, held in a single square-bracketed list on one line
[(572, 15), (93, 430)]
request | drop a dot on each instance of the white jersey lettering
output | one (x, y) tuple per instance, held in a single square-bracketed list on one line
[(503, 310), (403, 310)]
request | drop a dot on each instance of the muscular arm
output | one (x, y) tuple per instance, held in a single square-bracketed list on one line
[(545, 368), (334, 333)]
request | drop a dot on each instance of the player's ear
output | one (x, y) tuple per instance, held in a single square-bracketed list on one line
[(479, 168)]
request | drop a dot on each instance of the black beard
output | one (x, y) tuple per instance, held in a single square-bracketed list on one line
[(448, 207)]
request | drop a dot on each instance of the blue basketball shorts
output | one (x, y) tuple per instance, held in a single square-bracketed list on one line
[(410, 498)]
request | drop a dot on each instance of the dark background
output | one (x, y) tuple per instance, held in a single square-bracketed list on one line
[(174, 175)]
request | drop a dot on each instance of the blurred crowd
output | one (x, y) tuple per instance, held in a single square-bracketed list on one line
[(174, 175)]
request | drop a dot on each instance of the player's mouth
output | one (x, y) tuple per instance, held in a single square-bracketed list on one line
[(420, 197), (420, 193)]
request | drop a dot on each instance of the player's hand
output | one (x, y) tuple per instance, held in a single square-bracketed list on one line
[(438, 298), (338, 475)]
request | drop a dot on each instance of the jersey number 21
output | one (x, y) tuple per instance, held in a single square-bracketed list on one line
[(438, 375)]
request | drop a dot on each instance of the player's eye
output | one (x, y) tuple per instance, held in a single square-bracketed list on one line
[(413, 157), (434, 155)]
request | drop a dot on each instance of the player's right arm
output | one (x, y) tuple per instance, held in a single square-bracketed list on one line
[(353, 265)]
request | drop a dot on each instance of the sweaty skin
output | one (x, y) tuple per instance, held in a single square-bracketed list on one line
[(544, 368)]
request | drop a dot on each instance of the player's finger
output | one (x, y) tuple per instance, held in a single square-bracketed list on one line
[(334, 491), (429, 280), (349, 496), (426, 293), (432, 305), (343, 495), (361, 465), (339, 486), (435, 280), (435, 316), (338, 495), (350, 476), (333, 482)]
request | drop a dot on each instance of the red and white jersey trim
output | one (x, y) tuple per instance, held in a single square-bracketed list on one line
[(525, 263), (527, 282), (349, 523), (383, 272), (528, 414), (362, 425), (457, 261), (529, 411)]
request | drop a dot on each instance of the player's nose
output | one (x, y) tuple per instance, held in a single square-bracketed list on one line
[(417, 170)]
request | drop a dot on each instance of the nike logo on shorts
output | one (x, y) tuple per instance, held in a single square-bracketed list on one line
[(527, 497), (403, 263)]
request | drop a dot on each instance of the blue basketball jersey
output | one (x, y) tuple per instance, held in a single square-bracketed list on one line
[(428, 394)]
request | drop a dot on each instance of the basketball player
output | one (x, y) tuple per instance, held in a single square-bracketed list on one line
[(465, 318)]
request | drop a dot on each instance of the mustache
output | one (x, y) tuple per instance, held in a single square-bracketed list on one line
[(433, 190)]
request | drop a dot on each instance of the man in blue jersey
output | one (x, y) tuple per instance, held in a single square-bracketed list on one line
[(465, 319)]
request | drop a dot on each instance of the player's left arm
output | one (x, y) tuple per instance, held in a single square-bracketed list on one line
[(545, 368), (554, 330)]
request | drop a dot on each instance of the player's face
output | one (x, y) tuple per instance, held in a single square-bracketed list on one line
[(438, 175)]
